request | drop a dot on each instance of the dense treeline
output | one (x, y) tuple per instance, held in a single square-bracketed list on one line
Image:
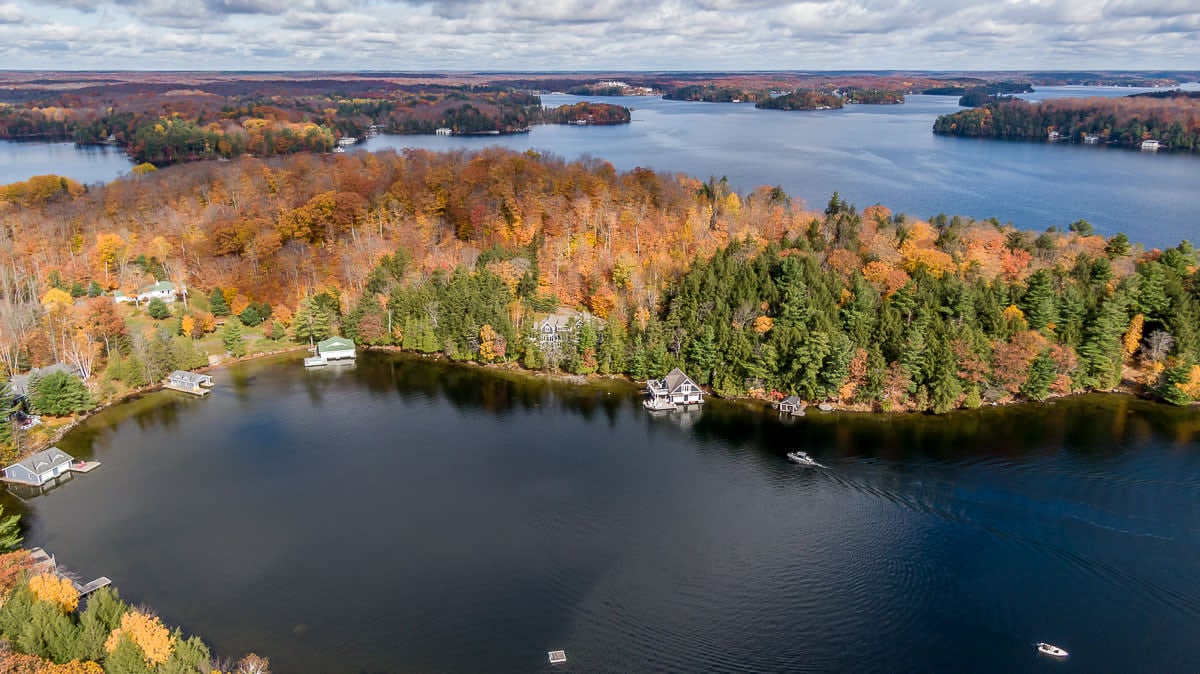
[(586, 113), (708, 93), (463, 253), (802, 99), (987, 89), (873, 96), (809, 316), (1175, 122)]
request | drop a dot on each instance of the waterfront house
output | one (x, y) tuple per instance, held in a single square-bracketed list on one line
[(1151, 145), (335, 348), (19, 384), (1053, 136), (674, 389), (561, 325), (163, 290), (1091, 138), (189, 382), (790, 405), (443, 131), (40, 468)]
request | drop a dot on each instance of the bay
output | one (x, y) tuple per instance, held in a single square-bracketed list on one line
[(409, 515), (85, 164)]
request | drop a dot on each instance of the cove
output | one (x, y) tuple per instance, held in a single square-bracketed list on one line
[(411, 515)]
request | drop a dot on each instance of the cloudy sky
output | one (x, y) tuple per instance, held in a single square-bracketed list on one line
[(598, 35)]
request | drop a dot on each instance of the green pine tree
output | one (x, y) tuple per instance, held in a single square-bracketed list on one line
[(217, 304), (10, 532), (231, 337), (158, 309), (59, 394)]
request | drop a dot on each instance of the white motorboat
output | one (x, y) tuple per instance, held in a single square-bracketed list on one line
[(803, 459), (1051, 650)]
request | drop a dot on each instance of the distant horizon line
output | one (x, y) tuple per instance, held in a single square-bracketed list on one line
[(699, 71)]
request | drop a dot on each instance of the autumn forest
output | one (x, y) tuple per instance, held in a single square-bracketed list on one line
[(460, 254)]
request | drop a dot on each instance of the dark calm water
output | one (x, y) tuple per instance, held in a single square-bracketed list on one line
[(406, 516), (870, 153)]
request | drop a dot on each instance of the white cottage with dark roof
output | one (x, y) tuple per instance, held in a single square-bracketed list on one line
[(39, 468), (672, 390)]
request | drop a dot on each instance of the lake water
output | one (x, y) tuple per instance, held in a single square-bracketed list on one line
[(404, 515), (85, 164), (870, 153)]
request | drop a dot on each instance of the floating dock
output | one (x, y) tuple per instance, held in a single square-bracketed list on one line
[(557, 657), (91, 587)]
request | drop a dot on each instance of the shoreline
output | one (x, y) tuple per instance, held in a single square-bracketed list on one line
[(762, 405)]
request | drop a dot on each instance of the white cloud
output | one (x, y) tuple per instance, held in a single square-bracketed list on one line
[(599, 34)]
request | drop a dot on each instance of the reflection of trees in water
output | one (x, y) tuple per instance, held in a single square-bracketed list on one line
[(474, 388), (1094, 424)]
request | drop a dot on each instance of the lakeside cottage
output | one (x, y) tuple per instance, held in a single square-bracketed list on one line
[(40, 468), (336, 348), (1151, 145), (189, 382), (561, 325), (791, 405), (19, 384), (672, 390)]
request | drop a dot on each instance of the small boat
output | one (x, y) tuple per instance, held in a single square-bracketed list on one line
[(1051, 650), (803, 459)]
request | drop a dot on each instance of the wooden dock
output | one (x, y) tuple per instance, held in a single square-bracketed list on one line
[(557, 657), (84, 466), (196, 391), (91, 587)]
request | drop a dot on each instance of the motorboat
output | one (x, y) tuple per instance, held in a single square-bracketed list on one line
[(803, 459), (1051, 650)]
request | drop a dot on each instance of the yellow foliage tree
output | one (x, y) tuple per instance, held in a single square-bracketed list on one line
[(487, 343), (56, 300), (56, 590), (1133, 336), (763, 324), (188, 325), (147, 632), (1014, 317)]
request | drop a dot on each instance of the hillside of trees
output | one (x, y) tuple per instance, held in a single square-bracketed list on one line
[(460, 253), (1127, 121)]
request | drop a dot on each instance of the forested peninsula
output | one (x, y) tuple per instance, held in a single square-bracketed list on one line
[(462, 254), (1173, 120)]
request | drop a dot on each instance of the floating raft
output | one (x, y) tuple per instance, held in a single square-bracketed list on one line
[(557, 657)]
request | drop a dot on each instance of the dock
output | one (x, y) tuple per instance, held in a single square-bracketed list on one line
[(44, 562), (187, 389), (84, 466), (315, 361), (91, 587), (557, 657)]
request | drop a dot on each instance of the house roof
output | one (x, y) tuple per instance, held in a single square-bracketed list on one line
[(161, 286), (677, 378), (44, 460), (565, 317), (335, 344), (20, 382), (792, 400), (186, 377)]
